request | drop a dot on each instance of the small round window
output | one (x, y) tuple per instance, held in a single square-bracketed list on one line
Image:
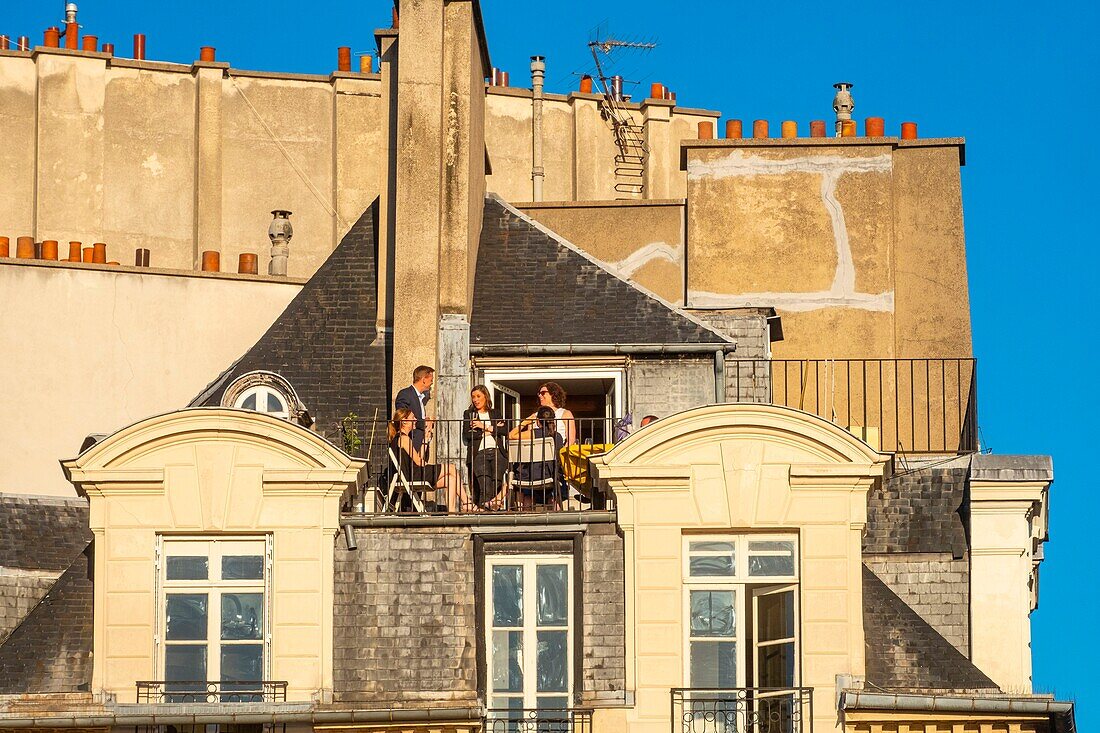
[(263, 398)]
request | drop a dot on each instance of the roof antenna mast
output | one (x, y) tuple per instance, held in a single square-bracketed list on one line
[(629, 134)]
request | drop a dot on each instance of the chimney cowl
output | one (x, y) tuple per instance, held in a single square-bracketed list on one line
[(280, 232)]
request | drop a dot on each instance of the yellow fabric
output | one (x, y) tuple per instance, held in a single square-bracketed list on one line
[(574, 463)]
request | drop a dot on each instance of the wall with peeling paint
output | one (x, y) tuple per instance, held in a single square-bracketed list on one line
[(641, 240), (857, 243)]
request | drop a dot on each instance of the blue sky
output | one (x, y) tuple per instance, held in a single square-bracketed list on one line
[(1017, 80)]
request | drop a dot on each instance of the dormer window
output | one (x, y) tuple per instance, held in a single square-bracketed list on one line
[(263, 399), (269, 393)]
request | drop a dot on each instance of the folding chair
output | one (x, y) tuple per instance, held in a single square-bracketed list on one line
[(409, 488), (533, 450)]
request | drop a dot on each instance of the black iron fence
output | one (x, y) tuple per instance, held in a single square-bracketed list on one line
[(538, 720), (908, 405), (474, 466), (203, 691), (742, 710)]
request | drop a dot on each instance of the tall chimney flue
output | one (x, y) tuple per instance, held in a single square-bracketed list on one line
[(280, 232), (843, 105)]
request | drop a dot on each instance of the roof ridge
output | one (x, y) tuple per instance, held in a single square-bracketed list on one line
[(608, 268)]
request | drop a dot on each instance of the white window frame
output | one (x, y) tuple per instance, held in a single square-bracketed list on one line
[(554, 374), (745, 589), (216, 548), (263, 390), (530, 627)]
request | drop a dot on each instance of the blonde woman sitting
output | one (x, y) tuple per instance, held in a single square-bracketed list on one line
[(414, 463)]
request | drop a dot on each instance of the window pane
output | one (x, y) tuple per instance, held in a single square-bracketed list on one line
[(242, 615), (507, 595), (508, 661), (711, 566), (242, 567), (242, 662), (552, 589), (712, 613), (274, 404), (775, 616), (552, 661), (249, 402), (187, 568), (551, 703), (777, 565), (776, 665), (185, 663), (185, 616), (710, 547), (781, 565), (713, 664)]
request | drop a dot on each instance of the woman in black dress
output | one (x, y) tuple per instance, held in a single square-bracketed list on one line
[(484, 433), (414, 463)]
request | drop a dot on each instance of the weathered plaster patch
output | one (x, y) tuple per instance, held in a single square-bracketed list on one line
[(153, 165), (644, 255), (842, 293)]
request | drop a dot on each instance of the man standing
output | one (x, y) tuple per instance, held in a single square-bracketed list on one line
[(415, 397)]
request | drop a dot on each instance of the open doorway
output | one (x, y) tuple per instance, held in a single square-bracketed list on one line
[(595, 396)]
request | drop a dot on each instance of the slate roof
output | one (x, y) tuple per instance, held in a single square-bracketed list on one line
[(325, 342), (534, 287), (904, 652), (919, 511), (42, 532), (51, 650), (39, 536)]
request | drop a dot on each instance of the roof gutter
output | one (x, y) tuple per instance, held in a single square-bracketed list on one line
[(603, 349), (202, 714), (953, 704), (517, 519)]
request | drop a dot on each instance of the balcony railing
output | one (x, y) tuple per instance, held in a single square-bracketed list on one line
[(200, 691), (538, 720), (915, 405), (533, 472), (742, 710)]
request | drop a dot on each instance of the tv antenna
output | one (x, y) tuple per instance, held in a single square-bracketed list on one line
[(632, 153)]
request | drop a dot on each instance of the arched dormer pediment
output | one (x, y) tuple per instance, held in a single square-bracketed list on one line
[(214, 466), (738, 465)]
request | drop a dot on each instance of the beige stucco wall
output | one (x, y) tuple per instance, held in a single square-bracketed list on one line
[(730, 469), (579, 146), (857, 243), (184, 158), (92, 349), (641, 240), (217, 472)]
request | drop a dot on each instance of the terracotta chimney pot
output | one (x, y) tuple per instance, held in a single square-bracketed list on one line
[(817, 128), (211, 261), (99, 253), (734, 130), (789, 128), (24, 248), (706, 130), (49, 249), (909, 131), (875, 127), (759, 128), (248, 264)]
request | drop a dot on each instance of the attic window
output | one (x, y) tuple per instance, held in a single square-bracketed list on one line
[(268, 393), (264, 399)]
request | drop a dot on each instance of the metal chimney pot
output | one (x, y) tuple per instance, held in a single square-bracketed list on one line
[(280, 232), (843, 104), (70, 12)]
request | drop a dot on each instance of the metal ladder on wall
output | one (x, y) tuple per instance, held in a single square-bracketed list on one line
[(630, 161)]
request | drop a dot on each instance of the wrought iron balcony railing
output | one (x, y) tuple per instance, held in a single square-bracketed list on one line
[(914, 405), (199, 691), (742, 710), (523, 466), (538, 720)]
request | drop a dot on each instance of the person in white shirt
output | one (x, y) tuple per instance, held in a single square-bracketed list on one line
[(484, 434)]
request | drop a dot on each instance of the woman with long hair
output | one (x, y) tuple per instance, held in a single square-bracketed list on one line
[(552, 395), (484, 433), (415, 466), (540, 425)]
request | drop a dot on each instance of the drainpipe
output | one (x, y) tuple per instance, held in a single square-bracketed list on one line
[(719, 376), (598, 349), (538, 73)]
